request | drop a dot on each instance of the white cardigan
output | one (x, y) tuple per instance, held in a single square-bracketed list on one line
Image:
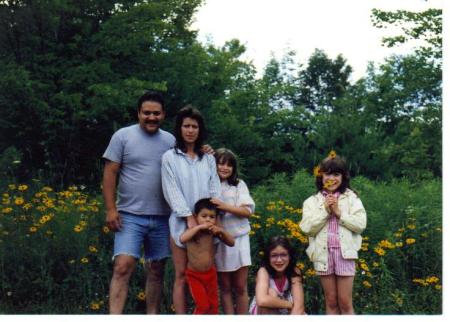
[(351, 225)]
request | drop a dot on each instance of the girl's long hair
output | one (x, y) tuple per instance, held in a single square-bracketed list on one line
[(227, 156), (291, 270)]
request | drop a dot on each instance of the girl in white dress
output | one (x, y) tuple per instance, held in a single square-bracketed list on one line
[(232, 262)]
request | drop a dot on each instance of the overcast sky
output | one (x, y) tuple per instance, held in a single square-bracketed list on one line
[(274, 26)]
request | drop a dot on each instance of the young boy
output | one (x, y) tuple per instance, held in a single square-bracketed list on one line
[(201, 273)]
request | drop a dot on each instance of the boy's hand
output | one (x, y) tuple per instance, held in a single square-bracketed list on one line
[(216, 230), (205, 226)]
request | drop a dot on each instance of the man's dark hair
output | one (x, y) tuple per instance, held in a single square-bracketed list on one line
[(190, 112), (151, 96), (204, 203)]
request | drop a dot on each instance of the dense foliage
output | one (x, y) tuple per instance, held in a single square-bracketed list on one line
[(55, 252), (71, 73)]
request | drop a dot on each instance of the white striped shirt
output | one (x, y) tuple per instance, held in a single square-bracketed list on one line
[(185, 181)]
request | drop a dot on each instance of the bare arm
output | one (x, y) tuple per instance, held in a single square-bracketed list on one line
[(241, 211), (223, 235), (190, 233), (263, 299), (110, 173), (297, 295)]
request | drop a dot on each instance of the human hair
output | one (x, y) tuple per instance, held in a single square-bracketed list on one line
[(204, 203), (151, 96), (335, 164), (190, 112), (227, 156), (291, 270)]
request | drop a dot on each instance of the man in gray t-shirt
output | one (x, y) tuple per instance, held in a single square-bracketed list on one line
[(140, 216)]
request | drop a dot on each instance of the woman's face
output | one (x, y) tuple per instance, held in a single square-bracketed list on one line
[(279, 259), (189, 130), (224, 170)]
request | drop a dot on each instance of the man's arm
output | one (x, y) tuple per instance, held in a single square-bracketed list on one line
[(110, 173)]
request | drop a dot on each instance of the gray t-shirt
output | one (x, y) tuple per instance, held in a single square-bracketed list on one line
[(139, 154)]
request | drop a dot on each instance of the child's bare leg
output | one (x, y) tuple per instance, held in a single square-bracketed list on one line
[(239, 282), (225, 292), (329, 286), (344, 292)]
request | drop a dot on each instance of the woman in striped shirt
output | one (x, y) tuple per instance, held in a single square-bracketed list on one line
[(188, 175)]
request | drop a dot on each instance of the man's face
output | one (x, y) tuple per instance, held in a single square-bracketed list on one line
[(150, 116)]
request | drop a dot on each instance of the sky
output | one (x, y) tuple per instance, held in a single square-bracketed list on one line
[(272, 27)]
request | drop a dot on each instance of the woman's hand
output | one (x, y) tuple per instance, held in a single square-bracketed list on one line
[(219, 203)]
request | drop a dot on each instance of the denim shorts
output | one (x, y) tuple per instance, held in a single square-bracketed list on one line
[(151, 232)]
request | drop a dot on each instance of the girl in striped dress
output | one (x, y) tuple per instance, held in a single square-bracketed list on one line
[(232, 263), (334, 219)]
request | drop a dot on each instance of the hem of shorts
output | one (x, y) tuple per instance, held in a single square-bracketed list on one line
[(342, 275), (127, 254), (232, 270), (156, 259)]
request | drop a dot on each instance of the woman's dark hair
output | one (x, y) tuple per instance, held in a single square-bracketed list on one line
[(151, 96), (227, 156), (190, 112), (291, 270), (330, 165)]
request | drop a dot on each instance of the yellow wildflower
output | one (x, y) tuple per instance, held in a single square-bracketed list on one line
[(364, 267), (11, 186), (95, 306), (411, 226), (27, 206), (367, 284), (140, 296), (78, 228), (83, 223), (399, 244), (105, 229), (438, 287), (310, 272), (375, 264), (317, 172), (380, 251), (47, 189), (33, 229), (93, 249), (19, 201), (7, 210), (22, 187), (410, 241), (332, 154), (84, 260), (432, 279), (300, 266)]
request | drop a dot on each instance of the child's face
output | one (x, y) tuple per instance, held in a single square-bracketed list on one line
[(331, 181), (224, 170), (206, 216), (279, 259)]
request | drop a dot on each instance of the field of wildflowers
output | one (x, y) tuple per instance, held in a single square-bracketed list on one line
[(55, 252)]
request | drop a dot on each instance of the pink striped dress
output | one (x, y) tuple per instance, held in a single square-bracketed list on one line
[(336, 263)]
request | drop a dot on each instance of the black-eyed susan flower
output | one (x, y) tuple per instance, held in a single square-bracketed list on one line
[(95, 306), (93, 249), (317, 172), (84, 260), (22, 187), (410, 241), (140, 296), (367, 284), (380, 251), (77, 228), (105, 229), (332, 154), (19, 201), (33, 229)]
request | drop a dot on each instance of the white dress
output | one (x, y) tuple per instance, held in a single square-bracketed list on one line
[(230, 259)]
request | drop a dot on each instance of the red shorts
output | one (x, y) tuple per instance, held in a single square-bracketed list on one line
[(204, 290)]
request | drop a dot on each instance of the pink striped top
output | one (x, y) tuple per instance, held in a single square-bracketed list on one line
[(333, 226)]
